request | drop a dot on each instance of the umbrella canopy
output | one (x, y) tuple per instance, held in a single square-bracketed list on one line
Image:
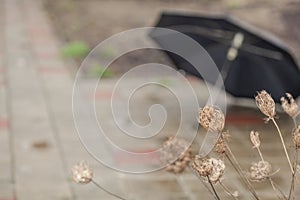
[(263, 62)]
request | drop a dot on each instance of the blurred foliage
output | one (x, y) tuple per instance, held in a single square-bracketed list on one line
[(232, 5), (75, 50), (97, 71), (108, 53), (164, 82)]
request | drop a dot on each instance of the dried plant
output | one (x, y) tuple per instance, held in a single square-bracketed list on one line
[(203, 167), (296, 140), (296, 136), (82, 173), (260, 171), (266, 105), (289, 105), (176, 154), (220, 146), (254, 137), (212, 119), (223, 149), (210, 169)]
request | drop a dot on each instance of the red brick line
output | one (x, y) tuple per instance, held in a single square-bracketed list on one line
[(3, 123), (242, 119), (104, 95), (122, 158)]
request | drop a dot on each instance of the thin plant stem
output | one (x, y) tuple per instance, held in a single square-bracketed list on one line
[(292, 189), (298, 113), (226, 189), (295, 122), (260, 154), (213, 189), (269, 178), (238, 169), (205, 185), (279, 189), (283, 144), (108, 192), (275, 188)]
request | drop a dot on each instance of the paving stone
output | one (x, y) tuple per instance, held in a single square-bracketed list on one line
[(6, 190), (35, 177)]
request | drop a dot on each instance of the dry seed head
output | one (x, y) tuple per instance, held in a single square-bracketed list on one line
[(266, 104), (211, 168), (212, 119), (289, 105), (176, 154), (218, 170), (180, 164), (82, 173), (260, 171), (203, 167), (296, 136), (220, 146), (254, 137)]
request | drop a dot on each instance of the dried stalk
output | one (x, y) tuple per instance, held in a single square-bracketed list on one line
[(283, 144), (201, 179), (99, 186), (276, 189), (239, 170), (292, 188), (213, 189), (226, 189)]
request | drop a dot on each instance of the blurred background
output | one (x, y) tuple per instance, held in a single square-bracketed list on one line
[(42, 45)]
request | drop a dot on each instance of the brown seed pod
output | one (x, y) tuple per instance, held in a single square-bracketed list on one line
[(210, 168), (289, 105), (254, 137), (212, 119), (296, 136), (266, 104), (260, 171), (176, 154), (82, 173)]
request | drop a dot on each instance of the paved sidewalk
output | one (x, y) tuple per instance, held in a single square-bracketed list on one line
[(38, 141)]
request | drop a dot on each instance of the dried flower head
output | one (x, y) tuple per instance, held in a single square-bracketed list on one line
[(220, 146), (296, 136), (254, 137), (260, 171), (210, 168), (82, 173), (212, 119), (266, 104), (176, 154), (289, 105)]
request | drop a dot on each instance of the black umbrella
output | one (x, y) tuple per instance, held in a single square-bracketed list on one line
[(248, 59)]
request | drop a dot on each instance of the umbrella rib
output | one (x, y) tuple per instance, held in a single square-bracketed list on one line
[(216, 35), (262, 51)]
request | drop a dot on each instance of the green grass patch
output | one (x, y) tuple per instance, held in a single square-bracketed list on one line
[(75, 50), (97, 71)]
